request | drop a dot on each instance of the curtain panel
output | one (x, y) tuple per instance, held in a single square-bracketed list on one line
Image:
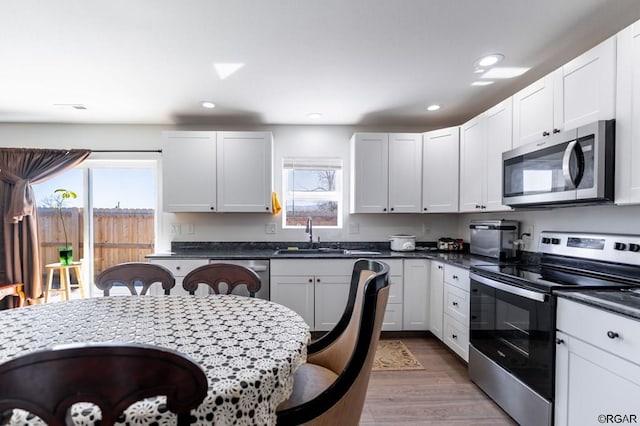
[(19, 169)]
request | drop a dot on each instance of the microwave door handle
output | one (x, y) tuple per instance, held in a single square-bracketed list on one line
[(566, 171)]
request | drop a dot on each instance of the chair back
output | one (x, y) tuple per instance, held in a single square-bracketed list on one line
[(215, 274), (112, 376), (350, 356), (132, 272)]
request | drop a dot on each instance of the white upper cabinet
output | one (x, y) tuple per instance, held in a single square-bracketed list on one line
[(216, 171), (386, 172), (628, 116), (189, 171), (440, 165), (580, 92), (482, 142), (472, 164), (244, 171), (499, 128), (405, 172)]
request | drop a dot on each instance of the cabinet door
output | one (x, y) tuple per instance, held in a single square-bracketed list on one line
[(416, 294), (369, 172), (440, 170), (533, 111), (591, 382), (244, 171), (189, 171), (179, 268), (628, 116), (472, 164), (331, 293), (296, 293), (499, 139), (436, 298), (405, 172), (586, 92)]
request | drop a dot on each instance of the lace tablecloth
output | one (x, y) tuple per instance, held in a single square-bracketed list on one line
[(249, 349)]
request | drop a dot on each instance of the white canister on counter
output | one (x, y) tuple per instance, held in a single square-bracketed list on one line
[(403, 242)]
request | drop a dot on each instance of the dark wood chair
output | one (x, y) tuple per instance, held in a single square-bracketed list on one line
[(217, 273), (331, 387), (112, 376), (132, 272)]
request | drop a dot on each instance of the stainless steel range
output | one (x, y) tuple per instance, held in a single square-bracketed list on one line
[(513, 312)]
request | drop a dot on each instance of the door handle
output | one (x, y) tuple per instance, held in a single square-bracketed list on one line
[(571, 181)]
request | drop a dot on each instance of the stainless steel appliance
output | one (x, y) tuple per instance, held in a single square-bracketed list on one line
[(513, 315), (493, 238), (259, 266), (575, 166)]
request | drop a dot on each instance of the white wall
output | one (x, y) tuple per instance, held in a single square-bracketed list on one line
[(330, 141)]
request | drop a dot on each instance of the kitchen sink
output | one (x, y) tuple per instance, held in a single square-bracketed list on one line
[(321, 251), (303, 251)]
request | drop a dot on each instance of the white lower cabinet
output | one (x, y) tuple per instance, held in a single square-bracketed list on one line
[(179, 268), (456, 310), (317, 289), (416, 294), (436, 298), (597, 366)]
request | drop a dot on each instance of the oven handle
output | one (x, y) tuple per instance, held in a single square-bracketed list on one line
[(518, 291)]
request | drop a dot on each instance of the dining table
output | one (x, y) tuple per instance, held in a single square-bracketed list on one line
[(249, 349)]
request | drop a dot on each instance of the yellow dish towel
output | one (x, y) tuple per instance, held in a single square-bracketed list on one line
[(275, 203)]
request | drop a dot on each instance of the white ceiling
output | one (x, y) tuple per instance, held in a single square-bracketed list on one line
[(358, 62)]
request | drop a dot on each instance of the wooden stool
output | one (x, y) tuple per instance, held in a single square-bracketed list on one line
[(65, 281), (13, 290)]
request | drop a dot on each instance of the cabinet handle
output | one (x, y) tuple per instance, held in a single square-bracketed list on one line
[(310, 280), (177, 268), (267, 208), (556, 130), (478, 206), (439, 266), (455, 303), (384, 210), (559, 341), (317, 280), (455, 277), (545, 133), (212, 208), (483, 207), (454, 336), (612, 335), (425, 209), (391, 209)]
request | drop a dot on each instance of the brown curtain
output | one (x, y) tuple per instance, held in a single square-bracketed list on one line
[(19, 169)]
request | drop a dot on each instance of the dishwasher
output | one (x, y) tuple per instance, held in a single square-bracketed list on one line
[(260, 267)]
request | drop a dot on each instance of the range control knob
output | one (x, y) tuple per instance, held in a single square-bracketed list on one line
[(634, 247), (555, 241), (620, 246), (546, 240)]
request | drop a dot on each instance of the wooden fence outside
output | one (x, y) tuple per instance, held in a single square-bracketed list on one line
[(120, 235)]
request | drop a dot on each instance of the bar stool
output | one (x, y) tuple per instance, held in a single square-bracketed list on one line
[(12, 289), (65, 280)]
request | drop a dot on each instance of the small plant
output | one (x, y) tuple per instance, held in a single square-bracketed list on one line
[(66, 252)]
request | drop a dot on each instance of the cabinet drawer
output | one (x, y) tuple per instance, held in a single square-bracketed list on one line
[(456, 336), (456, 303), (594, 326), (311, 267), (395, 289), (458, 277), (180, 267), (392, 317)]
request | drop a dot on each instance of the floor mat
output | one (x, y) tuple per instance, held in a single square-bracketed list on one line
[(394, 355)]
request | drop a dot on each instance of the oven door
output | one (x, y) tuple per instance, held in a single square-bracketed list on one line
[(513, 326)]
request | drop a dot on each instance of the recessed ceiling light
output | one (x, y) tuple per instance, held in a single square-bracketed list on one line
[(79, 107), (314, 115), (482, 83), (478, 70), (505, 72), (208, 104), (433, 107), (489, 60), (224, 70)]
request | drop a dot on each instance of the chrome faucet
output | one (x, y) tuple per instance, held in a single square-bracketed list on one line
[(309, 229)]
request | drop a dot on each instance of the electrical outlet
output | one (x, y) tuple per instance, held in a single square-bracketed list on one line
[(354, 228), (191, 229), (425, 229), (176, 229), (528, 229), (270, 228)]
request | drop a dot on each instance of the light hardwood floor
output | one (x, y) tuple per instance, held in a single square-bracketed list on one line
[(441, 394)]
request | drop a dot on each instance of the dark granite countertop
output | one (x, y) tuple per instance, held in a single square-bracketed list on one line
[(623, 302), (237, 251)]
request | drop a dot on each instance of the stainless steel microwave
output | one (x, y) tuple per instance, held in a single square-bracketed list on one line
[(570, 167)]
